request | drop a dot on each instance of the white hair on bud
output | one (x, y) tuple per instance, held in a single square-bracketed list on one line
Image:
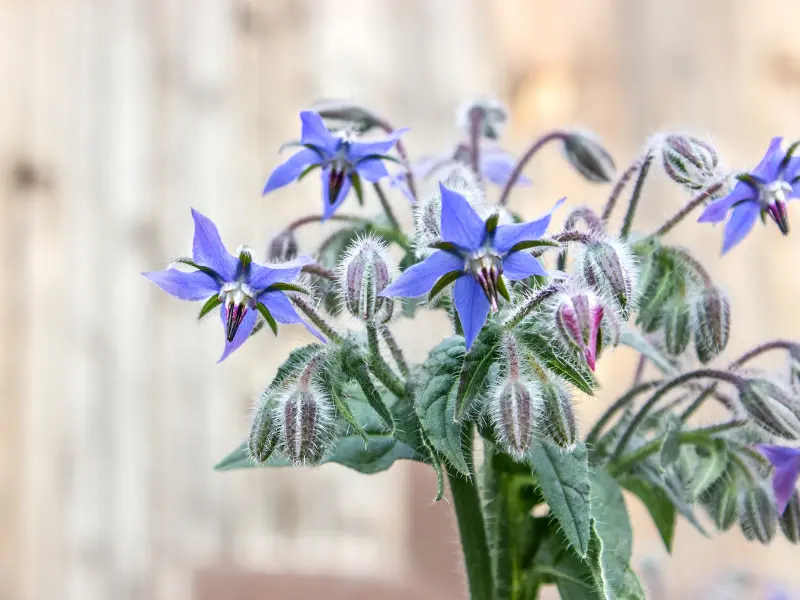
[(307, 448), (365, 304)]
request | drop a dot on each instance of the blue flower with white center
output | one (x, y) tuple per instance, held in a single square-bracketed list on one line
[(343, 161), (786, 461), (239, 286), (476, 254), (764, 191)]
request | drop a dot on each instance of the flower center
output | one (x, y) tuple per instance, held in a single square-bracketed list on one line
[(238, 298), (773, 199), (487, 267)]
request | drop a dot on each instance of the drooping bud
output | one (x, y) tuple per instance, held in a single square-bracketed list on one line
[(689, 161), (758, 518), (578, 318), (790, 519), (265, 428), (561, 426), (283, 247), (609, 268), (363, 273), (677, 325), (491, 113), (725, 506), (712, 323), (589, 157), (771, 407)]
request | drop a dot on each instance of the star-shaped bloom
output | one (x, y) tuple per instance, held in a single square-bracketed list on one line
[(241, 287), (786, 461), (762, 192), (343, 159), (476, 255)]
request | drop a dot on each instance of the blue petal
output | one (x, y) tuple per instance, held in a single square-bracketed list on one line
[(419, 279), (717, 210), (792, 171), (400, 182), (283, 311), (263, 276), (472, 306), (497, 166), (780, 456), (208, 249), (327, 208), (743, 217), (461, 225), (784, 481), (372, 169), (519, 265), (314, 132), (244, 331), (194, 285), (767, 169), (290, 170), (358, 150), (507, 236)]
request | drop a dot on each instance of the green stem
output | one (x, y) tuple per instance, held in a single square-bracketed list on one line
[(397, 353), (621, 403), (380, 368), (315, 317), (386, 206), (496, 499), (528, 305), (477, 561), (633, 203)]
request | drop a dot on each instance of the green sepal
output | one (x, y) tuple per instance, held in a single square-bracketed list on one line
[(210, 305), (273, 324)]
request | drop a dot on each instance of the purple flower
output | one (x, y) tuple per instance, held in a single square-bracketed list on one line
[(787, 468), (239, 286), (475, 254), (343, 161), (764, 191)]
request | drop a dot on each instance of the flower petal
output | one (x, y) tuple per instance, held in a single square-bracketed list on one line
[(400, 181), (281, 308), (717, 210), (472, 306), (263, 276), (767, 169), (358, 150), (208, 249), (327, 208), (419, 279), (743, 217), (372, 169), (780, 456), (194, 285), (461, 224), (519, 265), (315, 133), (290, 170), (507, 236), (784, 481), (244, 331), (497, 166)]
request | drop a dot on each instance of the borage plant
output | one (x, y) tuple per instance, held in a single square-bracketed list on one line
[(545, 505)]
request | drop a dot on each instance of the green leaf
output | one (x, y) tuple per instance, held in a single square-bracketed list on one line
[(210, 305), (710, 468), (554, 358), (436, 383), (563, 478), (343, 409), (671, 445), (273, 324), (472, 380), (658, 505), (355, 364), (633, 339)]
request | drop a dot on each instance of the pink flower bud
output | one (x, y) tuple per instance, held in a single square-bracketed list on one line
[(578, 318)]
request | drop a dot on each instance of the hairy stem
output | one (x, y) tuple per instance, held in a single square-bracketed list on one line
[(320, 271), (532, 150), (395, 350), (639, 372), (386, 206), (496, 509), (476, 117), (621, 403), (310, 311), (380, 368), (617, 190), (524, 309), (694, 264), (689, 207), (318, 219), (633, 203)]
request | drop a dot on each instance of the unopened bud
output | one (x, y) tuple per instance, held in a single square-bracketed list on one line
[(790, 519), (725, 506), (771, 407), (307, 425), (677, 325), (689, 161), (561, 425), (578, 318), (492, 114), (363, 273), (757, 515), (712, 315), (283, 247), (609, 268), (265, 429), (589, 157)]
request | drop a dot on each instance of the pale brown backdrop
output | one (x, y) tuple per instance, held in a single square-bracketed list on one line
[(117, 115)]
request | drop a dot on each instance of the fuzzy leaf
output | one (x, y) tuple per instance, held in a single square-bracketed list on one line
[(355, 365), (473, 380), (563, 478), (633, 339), (658, 505), (550, 355), (671, 446), (710, 468)]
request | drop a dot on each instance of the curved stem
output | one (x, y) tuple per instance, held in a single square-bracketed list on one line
[(396, 351), (319, 271), (690, 206), (618, 187), (401, 150), (694, 264), (633, 203), (697, 402), (528, 305), (386, 206), (639, 372), (318, 219), (532, 150), (310, 311), (673, 383), (621, 403), (380, 368)]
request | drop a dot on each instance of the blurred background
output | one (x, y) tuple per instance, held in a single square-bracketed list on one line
[(116, 116)]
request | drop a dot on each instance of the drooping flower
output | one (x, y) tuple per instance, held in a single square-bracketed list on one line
[(762, 192), (475, 254), (342, 158), (786, 461), (241, 287)]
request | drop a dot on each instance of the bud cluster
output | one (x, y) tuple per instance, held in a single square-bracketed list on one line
[(772, 408), (608, 266), (363, 273), (689, 161)]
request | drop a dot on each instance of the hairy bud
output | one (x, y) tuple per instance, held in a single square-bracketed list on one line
[(609, 268), (578, 318), (283, 247), (757, 515), (265, 429), (689, 161), (492, 113), (712, 316), (771, 407), (363, 273), (790, 519), (725, 508), (589, 157), (677, 325), (561, 425)]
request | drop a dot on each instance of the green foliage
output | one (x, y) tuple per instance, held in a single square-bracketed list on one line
[(549, 353)]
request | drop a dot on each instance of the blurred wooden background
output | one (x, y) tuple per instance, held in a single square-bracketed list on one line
[(117, 115)]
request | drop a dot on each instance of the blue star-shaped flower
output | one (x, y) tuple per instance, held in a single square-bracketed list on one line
[(764, 191), (342, 160), (475, 254), (786, 461), (239, 286)]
